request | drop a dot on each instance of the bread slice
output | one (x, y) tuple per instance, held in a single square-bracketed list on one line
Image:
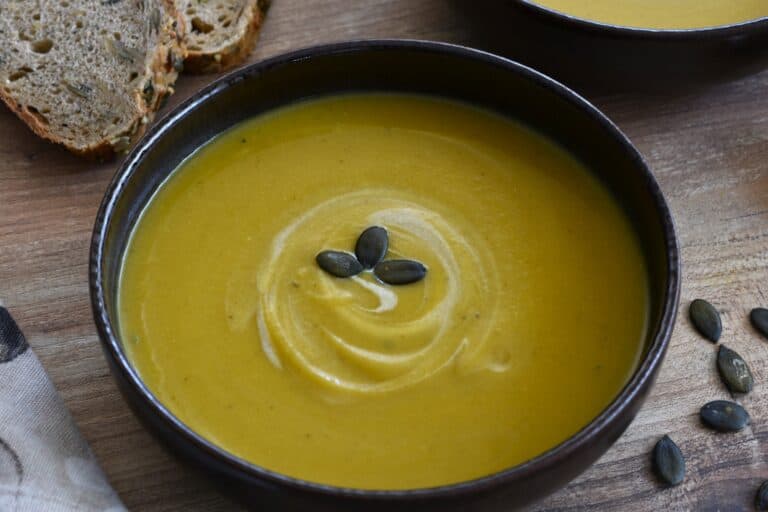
[(88, 74), (221, 33)]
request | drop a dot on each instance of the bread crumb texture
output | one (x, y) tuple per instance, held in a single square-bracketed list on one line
[(221, 33), (89, 74)]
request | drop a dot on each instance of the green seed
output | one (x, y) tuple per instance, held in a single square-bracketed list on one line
[(724, 416), (372, 246), (759, 318), (734, 371), (706, 319), (400, 271), (668, 461), (339, 264), (761, 500)]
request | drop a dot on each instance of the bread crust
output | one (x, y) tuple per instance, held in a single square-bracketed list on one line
[(162, 68), (201, 62)]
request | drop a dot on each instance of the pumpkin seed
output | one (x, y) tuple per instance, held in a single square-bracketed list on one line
[(724, 416), (761, 500), (148, 92), (154, 20), (706, 319), (668, 461), (400, 271), (177, 61), (123, 52), (759, 318), (734, 371), (78, 89), (372, 246), (339, 264)]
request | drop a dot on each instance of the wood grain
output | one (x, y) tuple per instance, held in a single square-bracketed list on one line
[(709, 150)]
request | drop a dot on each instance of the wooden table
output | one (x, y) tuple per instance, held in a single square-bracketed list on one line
[(709, 150)]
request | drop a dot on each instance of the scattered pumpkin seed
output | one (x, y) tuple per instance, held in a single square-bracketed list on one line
[(372, 246), (668, 461), (706, 319), (724, 416), (400, 271), (339, 264), (734, 371), (759, 319), (761, 499)]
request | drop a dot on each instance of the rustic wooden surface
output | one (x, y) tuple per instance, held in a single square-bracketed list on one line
[(709, 150)]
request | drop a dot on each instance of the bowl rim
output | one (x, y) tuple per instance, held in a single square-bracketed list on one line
[(659, 34), (642, 377)]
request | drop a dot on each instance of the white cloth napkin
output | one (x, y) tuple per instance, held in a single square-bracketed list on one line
[(45, 464)]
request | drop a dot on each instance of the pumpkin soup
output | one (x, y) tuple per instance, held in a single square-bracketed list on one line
[(662, 14), (383, 292)]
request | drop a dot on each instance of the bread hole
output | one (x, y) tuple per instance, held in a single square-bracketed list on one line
[(42, 45), (37, 115), (65, 4), (227, 23), (23, 36), (194, 48), (46, 111), (117, 36), (198, 25), (79, 24), (222, 18), (191, 11), (133, 76), (36, 16), (20, 73)]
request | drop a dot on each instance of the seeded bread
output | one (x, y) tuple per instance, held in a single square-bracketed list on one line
[(88, 74), (221, 33)]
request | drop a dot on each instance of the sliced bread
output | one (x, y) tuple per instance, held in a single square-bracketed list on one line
[(221, 33), (88, 74)]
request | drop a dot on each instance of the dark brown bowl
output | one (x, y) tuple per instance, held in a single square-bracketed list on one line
[(404, 66), (601, 57)]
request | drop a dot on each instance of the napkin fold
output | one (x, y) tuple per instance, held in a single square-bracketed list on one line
[(45, 464)]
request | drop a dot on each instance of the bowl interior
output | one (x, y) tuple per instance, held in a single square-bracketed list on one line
[(465, 75)]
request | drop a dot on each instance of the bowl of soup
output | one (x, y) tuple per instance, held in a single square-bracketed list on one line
[(609, 45), (385, 274)]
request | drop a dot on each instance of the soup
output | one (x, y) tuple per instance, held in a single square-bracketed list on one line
[(529, 319), (662, 14)]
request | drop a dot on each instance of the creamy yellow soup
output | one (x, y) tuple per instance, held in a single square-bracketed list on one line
[(662, 14), (530, 319)]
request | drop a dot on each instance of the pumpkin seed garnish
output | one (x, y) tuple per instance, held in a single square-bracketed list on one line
[(724, 416), (734, 371), (400, 271), (668, 461), (372, 246), (370, 249), (761, 499), (706, 319), (759, 319), (339, 264)]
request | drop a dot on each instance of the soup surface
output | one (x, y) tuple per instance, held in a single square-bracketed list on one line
[(662, 14), (529, 321)]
